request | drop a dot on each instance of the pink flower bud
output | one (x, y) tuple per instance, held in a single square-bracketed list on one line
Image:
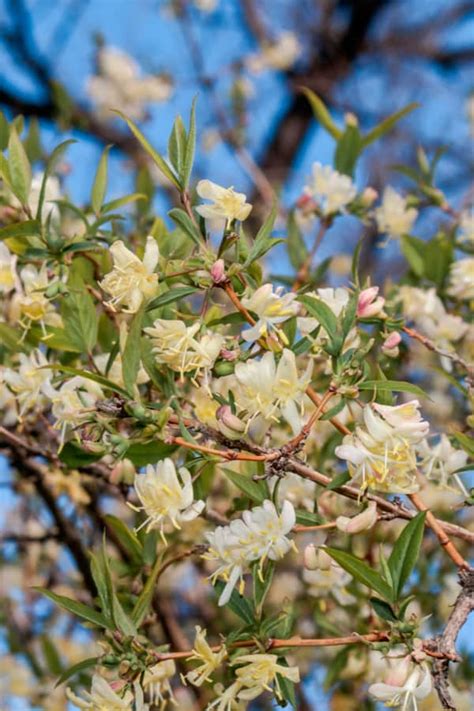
[(306, 204), (397, 676), (392, 341), (369, 196), (369, 303), (225, 415), (218, 272), (230, 356)]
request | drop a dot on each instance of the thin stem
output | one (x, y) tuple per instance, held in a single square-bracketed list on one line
[(304, 270)]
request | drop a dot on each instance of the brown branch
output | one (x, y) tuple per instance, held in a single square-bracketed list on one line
[(452, 355), (443, 647)]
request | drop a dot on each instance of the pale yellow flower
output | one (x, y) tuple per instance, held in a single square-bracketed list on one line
[(226, 203), (131, 280), (260, 674), (208, 660), (101, 697), (394, 217), (7, 269)]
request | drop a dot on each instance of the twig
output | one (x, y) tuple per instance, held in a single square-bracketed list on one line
[(452, 355)]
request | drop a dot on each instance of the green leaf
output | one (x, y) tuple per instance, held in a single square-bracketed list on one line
[(75, 456), (118, 614), (169, 297), (148, 148), (145, 598), (149, 453), (76, 608), (405, 552), (263, 242), (413, 250), (387, 124), (398, 386), (9, 337), (127, 537), (297, 250), (339, 480), (361, 572), (99, 186), (255, 490), (101, 583), (80, 318), (107, 384), (188, 158), (327, 319), (239, 605), (321, 113), (308, 518), (32, 142), (120, 202), (51, 162), (76, 668), (287, 688), (177, 144), (184, 222), (348, 150), (131, 352), (51, 655), (383, 609), (19, 168), (466, 442), (4, 131)]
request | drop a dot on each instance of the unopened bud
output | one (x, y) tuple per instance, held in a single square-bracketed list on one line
[(217, 272), (369, 196), (306, 204), (362, 522), (351, 119), (229, 355), (123, 472), (310, 557), (391, 343), (225, 416), (369, 303)]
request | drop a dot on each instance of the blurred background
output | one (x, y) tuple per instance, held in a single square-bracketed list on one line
[(68, 63), (65, 64)]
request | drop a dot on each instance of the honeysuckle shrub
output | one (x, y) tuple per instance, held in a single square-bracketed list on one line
[(269, 450)]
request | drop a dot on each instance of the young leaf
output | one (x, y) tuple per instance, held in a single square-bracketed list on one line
[(405, 553), (398, 386), (19, 168), (76, 668), (145, 598), (321, 113), (131, 352), (297, 250), (148, 148), (80, 318), (383, 609), (239, 605), (263, 242), (177, 144), (99, 186), (387, 124), (361, 572), (53, 158), (326, 318), (185, 223), (261, 585), (188, 158), (255, 490), (28, 228), (413, 250), (339, 480), (169, 297), (149, 452), (348, 150), (107, 384), (77, 608), (128, 538)]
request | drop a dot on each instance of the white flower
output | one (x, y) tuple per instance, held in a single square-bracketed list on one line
[(131, 280), (101, 697), (206, 5), (119, 85), (280, 55), (226, 203), (31, 304), (261, 533), (382, 453), (52, 192), (301, 492), (466, 227), (332, 190), (406, 683), (175, 344), (208, 660), (268, 390), (323, 575), (260, 674), (73, 403), (165, 496), (29, 381), (156, 683), (441, 460), (393, 216), (461, 279), (271, 307), (7, 269)]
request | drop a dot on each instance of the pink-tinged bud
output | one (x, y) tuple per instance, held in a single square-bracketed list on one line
[(351, 119), (369, 303), (310, 557), (306, 204), (218, 272), (225, 415), (392, 341), (228, 355), (123, 472), (369, 196), (362, 522)]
